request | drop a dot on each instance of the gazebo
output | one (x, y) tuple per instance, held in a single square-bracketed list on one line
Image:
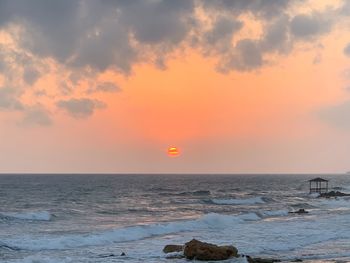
[(318, 185)]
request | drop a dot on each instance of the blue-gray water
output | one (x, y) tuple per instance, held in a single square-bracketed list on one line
[(94, 218)]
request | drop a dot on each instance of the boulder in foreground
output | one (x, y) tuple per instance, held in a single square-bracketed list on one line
[(205, 251)]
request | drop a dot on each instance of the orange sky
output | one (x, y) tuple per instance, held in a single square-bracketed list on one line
[(284, 115)]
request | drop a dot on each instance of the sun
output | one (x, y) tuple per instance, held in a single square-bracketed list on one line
[(173, 151)]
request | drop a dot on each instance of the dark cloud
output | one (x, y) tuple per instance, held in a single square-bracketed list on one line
[(307, 26), (219, 37), (106, 87), (347, 50), (247, 56), (106, 34), (51, 26), (116, 34), (153, 22), (276, 35), (80, 108), (30, 75), (107, 48), (266, 8), (3, 62)]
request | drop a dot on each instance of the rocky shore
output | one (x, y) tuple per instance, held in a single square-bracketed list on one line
[(198, 250), (333, 194)]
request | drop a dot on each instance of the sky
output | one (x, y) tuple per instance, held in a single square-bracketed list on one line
[(107, 86)]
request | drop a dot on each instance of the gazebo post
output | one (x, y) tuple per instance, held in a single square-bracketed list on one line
[(310, 186)]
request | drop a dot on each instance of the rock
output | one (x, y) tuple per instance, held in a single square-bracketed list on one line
[(333, 194), (122, 254), (262, 260), (204, 251), (300, 211), (297, 260), (172, 248)]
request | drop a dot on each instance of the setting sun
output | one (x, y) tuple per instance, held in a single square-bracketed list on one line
[(173, 151)]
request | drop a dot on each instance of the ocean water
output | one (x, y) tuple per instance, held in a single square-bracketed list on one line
[(94, 218)]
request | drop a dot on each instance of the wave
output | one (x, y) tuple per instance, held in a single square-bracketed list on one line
[(335, 202), (303, 205), (274, 213), (248, 201), (4, 246), (133, 233), (32, 215), (247, 234)]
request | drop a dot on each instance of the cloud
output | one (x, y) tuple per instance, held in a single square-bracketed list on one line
[(347, 50), (105, 87), (80, 108), (30, 75), (37, 115), (219, 37), (153, 22), (306, 26), (9, 99), (265, 8), (345, 9), (247, 56), (276, 35), (104, 34)]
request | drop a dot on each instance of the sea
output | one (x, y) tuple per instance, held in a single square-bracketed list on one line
[(97, 217)]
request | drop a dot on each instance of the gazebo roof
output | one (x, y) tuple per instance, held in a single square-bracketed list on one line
[(318, 179)]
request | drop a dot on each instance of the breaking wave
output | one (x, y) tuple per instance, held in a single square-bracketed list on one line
[(211, 221)]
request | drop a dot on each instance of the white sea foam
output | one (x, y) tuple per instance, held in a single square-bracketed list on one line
[(249, 216), (248, 201), (335, 204), (314, 195), (31, 215), (208, 221), (274, 213), (250, 237)]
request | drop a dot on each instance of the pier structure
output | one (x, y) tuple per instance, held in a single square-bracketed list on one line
[(318, 185)]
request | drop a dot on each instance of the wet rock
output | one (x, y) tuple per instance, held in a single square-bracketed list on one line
[(300, 211), (122, 254), (175, 255), (334, 194), (172, 248), (205, 251), (297, 260), (262, 260)]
